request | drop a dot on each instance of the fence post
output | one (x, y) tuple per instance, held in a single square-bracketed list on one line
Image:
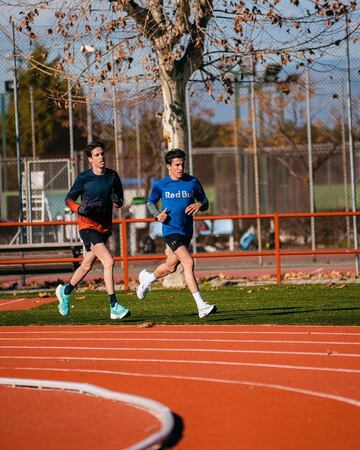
[(310, 161), (124, 253), (352, 156), (277, 248)]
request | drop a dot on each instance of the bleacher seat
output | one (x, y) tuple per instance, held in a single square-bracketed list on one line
[(223, 227), (155, 230)]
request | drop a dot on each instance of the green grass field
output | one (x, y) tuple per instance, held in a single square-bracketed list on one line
[(337, 304)]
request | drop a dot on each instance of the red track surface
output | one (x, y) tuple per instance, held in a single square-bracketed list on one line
[(232, 387), (16, 304)]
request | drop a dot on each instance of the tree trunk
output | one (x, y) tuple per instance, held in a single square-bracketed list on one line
[(175, 127), (175, 131)]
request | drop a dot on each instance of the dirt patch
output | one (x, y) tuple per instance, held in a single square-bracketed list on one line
[(16, 304)]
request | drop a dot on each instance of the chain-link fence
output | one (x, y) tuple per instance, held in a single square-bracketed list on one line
[(281, 143)]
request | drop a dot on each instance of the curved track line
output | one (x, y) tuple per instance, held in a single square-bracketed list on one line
[(157, 409), (189, 361), (227, 341), (158, 349), (280, 387)]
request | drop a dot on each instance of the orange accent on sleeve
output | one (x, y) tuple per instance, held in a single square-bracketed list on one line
[(72, 205)]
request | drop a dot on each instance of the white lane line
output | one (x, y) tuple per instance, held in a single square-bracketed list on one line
[(239, 341), (324, 395), (161, 412), (13, 301), (187, 361), (158, 349), (157, 331)]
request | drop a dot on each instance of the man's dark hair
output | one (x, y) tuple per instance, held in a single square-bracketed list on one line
[(172, 154), (90, 147)]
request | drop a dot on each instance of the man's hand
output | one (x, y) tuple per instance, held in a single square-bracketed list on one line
[(118, 202), (193, 209), (162, 216)]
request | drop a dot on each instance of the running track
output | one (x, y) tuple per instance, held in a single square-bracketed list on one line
[(229, 387)]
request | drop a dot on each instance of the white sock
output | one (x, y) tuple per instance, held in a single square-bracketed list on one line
[(151, 277), (199, 300)]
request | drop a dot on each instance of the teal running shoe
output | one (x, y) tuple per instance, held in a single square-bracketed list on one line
[(64, 300), (119, 312)]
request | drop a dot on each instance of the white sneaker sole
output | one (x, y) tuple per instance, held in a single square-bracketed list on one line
[(120, 316), (207, 312), (142, 290)]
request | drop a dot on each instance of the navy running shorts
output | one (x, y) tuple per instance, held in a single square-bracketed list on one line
[(90, 236), (174, 241)]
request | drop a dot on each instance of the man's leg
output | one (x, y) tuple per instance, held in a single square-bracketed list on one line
[(83, 269), (169, 266), (183, 255), (147, 278), (187, 261), (103, 254), (63, 291)]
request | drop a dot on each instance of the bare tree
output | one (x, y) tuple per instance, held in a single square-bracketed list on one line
[(164, 42)]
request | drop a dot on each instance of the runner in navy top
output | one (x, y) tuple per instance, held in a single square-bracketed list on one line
[(99, 188), (181, 196)]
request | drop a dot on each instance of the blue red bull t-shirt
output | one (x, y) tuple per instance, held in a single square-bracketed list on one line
[(176, 196)]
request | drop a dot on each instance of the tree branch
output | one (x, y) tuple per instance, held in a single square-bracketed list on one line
[(193, 56)]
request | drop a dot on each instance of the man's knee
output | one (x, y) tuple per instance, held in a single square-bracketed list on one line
[(171, 268), (188, 264), (109, 262), (85, 266)]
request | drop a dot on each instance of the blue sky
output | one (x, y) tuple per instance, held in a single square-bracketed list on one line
[(323, 67)]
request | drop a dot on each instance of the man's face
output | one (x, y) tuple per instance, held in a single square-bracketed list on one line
[(176, 168), (97, 158)]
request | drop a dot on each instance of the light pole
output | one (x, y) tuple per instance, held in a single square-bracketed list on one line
[(88, 50), (32, 118), (310, 162), (351, 146), (71, 133), (17, 133)]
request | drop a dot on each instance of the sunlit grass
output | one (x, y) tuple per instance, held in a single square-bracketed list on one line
[(305, 304)]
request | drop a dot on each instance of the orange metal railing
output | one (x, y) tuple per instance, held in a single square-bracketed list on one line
[(126, 258)]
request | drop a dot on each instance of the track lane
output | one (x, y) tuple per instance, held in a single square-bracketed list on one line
[(220, 380)]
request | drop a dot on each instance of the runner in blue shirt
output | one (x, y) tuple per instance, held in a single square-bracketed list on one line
[(182, 196)]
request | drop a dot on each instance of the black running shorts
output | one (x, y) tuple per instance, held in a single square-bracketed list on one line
[(90, 236), (174, 241)]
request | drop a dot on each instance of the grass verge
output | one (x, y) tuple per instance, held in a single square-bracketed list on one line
[(294, 305)]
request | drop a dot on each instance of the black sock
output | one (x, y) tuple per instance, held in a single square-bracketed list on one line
[(112, 298), (68, 289)]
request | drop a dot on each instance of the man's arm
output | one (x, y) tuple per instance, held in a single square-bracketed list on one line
[(152, 201), (73, 195), (117, 194), (201, 197), (153, 209), (201, 204)]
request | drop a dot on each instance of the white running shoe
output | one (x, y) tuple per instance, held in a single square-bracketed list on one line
[(144, 286), (207, 309)]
